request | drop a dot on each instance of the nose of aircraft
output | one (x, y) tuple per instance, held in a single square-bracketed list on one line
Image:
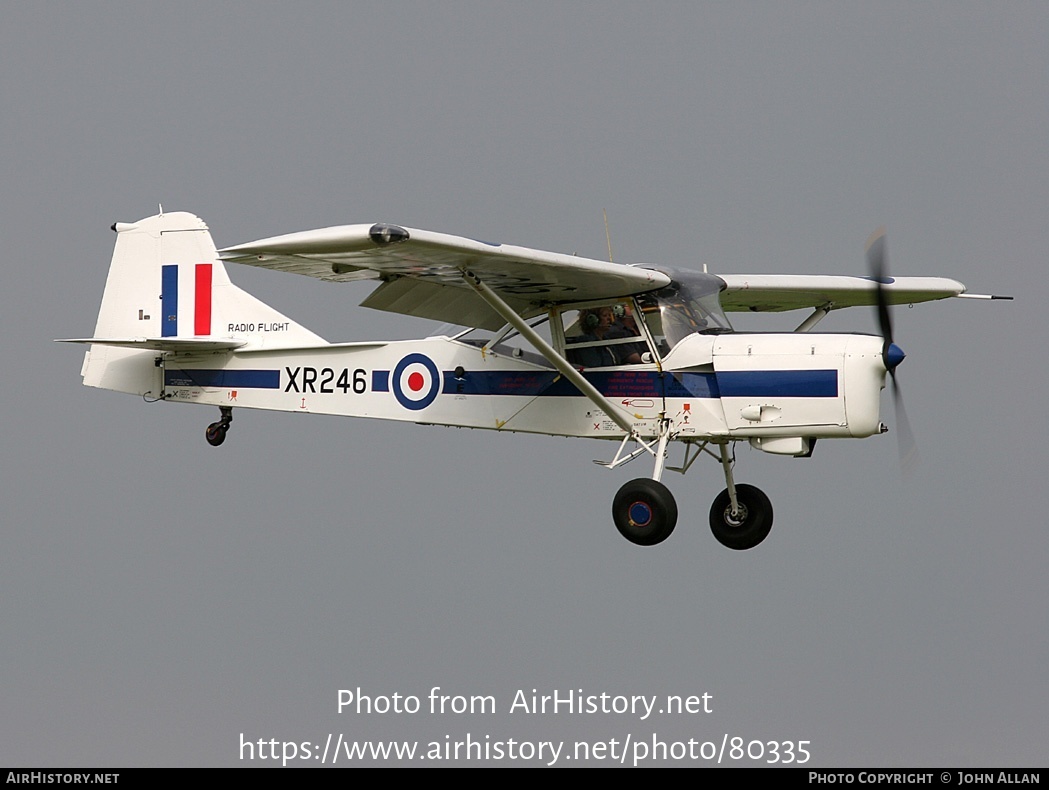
[(893, 356)]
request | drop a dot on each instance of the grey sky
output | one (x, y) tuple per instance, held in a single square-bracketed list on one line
[(159, 597)]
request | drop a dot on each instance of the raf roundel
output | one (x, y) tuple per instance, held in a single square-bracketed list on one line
[(416, 382)]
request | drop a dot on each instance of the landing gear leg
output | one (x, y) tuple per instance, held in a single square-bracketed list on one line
[(216, 432), (644, 510), (741, 516)]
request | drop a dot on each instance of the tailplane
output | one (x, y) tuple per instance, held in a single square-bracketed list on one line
[(167, 291)]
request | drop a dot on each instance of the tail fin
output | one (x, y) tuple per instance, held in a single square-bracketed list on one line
[(168, 291)]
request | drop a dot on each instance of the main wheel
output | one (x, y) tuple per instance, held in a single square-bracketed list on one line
[(215, 434), (747, 528), (644, 511)]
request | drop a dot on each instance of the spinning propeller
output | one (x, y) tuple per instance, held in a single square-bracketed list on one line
[(892, 354)]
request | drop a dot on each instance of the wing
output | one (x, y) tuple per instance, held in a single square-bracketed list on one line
[(421, 271), (776, 292)]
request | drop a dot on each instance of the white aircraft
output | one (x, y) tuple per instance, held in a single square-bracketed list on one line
[(639, 355)]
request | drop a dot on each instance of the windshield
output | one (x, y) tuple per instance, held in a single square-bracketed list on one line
[(687, 306)]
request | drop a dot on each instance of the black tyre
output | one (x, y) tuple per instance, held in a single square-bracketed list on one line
[(644, 511), (749, 526), (215, 434)]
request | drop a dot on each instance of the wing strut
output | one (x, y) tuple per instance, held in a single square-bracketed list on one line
[(617, 415), (818, 315)]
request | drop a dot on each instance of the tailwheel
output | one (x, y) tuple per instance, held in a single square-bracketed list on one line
[(215, 434), (749, 525), (644, 511)]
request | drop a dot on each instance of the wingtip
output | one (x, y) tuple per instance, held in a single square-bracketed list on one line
[(984, 296)]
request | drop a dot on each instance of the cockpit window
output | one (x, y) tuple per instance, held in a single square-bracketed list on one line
[(508, 342), (687, 306), (604, 336)]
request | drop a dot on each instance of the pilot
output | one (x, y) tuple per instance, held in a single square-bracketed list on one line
[(598, 324)]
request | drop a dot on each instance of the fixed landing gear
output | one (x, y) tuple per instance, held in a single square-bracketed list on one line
[(644, 511), (216, 432), (745, 526)]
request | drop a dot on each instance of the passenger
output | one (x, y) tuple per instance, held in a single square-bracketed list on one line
[(625, 325)]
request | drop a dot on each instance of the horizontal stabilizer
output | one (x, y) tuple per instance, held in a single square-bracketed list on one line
[(181, 345)]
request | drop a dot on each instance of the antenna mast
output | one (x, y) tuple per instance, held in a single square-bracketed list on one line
[(608, 237)]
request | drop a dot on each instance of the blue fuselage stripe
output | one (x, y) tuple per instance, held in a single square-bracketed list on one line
[(650, 384), (779, 383), (223, 379), (611, 384)]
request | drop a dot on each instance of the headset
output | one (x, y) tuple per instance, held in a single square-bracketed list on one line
[(590, 318)]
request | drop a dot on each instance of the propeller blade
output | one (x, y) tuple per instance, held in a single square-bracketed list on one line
[(905, 442), (878, 266), (892, 355)]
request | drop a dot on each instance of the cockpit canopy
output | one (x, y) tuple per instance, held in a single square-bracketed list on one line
[(687, 306)]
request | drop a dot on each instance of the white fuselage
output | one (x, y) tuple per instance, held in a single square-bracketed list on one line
[(709, 386)]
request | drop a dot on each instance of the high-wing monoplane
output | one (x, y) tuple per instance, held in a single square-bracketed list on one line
[(642, 356)]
